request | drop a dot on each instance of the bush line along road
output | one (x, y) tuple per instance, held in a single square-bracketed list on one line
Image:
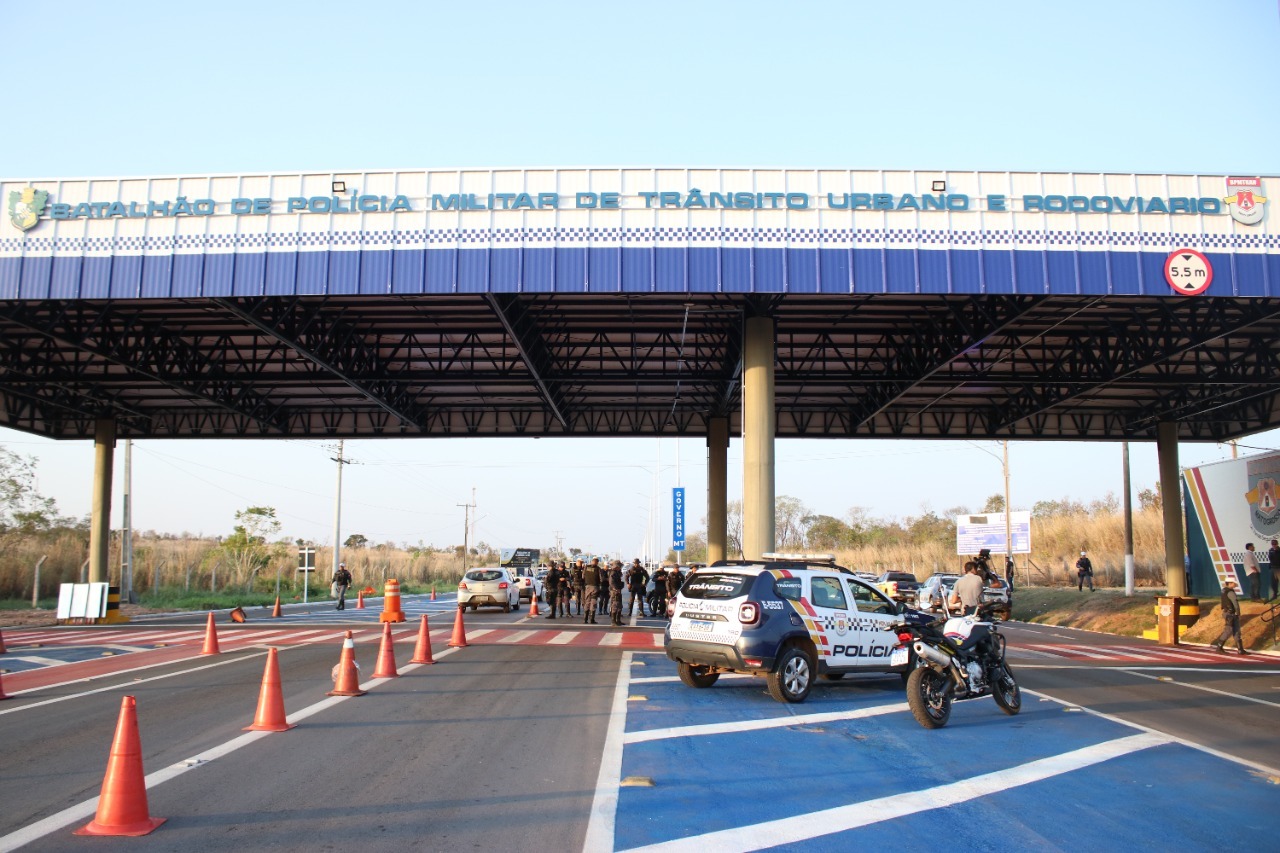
[(547, 734)]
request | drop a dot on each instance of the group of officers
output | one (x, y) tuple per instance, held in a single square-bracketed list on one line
[(595, 589)]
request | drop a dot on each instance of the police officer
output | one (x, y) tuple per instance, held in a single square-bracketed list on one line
[(602, 589), (658, 601), (590, 590), (551, 586), (637, 577), (616, 586), (675, 580), (575, 577), (566, 592)]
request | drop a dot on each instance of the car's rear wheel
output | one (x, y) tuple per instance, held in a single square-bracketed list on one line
[(792, 678), (697, 676)]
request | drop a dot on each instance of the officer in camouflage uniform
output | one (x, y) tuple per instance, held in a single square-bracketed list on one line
[(578, 584), (590, 589), (616, 586)]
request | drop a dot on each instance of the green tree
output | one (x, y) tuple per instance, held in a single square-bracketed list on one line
[(995, 503), (248, 550), (1149, 499), (356, 540), (825, 533), (788, 521), (22, 508)]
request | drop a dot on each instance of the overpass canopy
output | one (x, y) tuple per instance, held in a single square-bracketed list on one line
[(612, 302)]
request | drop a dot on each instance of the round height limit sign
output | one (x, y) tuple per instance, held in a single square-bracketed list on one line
[(1188, 272)]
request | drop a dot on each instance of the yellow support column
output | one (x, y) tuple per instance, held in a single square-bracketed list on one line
[(759, 423)]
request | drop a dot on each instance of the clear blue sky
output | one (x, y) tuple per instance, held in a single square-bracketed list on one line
[(133, 88)]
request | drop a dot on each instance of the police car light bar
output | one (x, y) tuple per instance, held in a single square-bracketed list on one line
[(800, 557)]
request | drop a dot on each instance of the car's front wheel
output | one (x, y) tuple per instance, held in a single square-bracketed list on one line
[(792, 678)]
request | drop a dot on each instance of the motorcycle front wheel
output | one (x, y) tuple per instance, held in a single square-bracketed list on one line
[(1004, 689), (927, 696)]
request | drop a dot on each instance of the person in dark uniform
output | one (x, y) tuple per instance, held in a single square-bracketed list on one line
[(1230, 618), (616, 585), (637, 578), (551, 586), (602, 588), (658, 601), (1084, 569), (675, 580), (575, 577), (590, 590), (566, 592), (341, 583), (1273, 563)]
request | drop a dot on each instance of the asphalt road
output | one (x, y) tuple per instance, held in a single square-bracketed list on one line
[(494, 747), (510, 742), (1224, 702)]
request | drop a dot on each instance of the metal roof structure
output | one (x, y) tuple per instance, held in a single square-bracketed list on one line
[(613, 301), (940, 366)]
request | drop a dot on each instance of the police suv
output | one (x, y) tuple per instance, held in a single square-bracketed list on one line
[(788, 618)]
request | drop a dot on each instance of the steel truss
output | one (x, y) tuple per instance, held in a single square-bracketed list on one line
[(911, 366)]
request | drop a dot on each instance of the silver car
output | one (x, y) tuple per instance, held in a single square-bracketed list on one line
[(936, 590), (489, 587)]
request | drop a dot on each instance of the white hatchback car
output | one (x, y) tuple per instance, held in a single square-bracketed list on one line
[(489, 587)]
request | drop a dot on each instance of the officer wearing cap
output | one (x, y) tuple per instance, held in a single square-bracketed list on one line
[(590, 590), (1084, 569), (341, 583), (637, 578)]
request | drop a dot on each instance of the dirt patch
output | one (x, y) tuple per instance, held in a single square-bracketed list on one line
[(38, 617), (1113, 612)]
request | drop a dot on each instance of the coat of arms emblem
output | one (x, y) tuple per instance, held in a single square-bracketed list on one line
[(25, 207), (1264, 495), (1248, 204)]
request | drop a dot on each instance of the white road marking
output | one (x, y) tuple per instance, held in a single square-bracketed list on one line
[(516, 637), (125, 686), (770, 723), (604, 806), (1205, 689), (611, 640), (662, 679), (1190, 744), (86, 809), (562, 638), (794, 830)]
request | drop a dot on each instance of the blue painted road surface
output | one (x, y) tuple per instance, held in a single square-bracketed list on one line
[(850, 769)]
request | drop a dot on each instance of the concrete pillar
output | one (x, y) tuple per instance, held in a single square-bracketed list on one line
[(759, 423), (1171, 505), (717, 488), (104, 443)]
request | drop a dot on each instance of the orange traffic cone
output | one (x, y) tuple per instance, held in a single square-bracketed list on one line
[(422, 651), (386, 665), (459, 638), (2, 648), (270, 716), (3, 696), (122, 807), (347, 682), (533, 606), (433, 593), (360, 600), (391, 611), (275, 611), (237, 615), (210, 639)]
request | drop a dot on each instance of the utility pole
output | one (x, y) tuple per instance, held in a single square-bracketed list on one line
[(466, 531), (337, 507), (559, 534), (126, 541), (1128, 524), (1008, 510)]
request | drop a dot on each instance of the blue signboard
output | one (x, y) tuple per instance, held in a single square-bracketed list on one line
[(677, 519)]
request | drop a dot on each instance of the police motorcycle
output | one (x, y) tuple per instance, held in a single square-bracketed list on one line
[(957, 657)]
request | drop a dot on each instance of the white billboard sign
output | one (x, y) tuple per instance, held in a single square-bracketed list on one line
[(975, 532)]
